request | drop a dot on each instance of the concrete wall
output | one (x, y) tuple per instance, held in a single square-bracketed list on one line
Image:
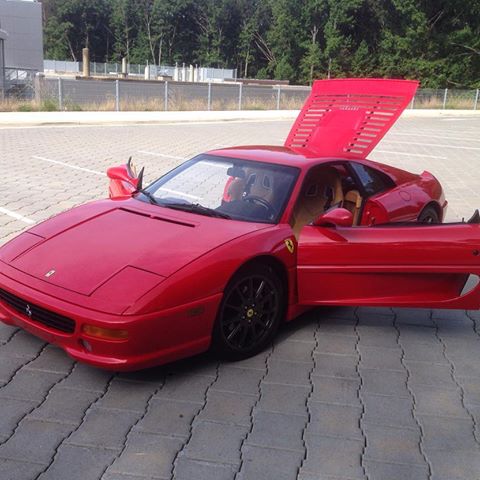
[(22, 21)]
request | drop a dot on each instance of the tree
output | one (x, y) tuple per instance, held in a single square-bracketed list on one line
[(454, 38), (123, 27), (283, 36), (315, 16), (79, 24), (340, 39), (404, 44), (57, 44), (436, 41), (218, 31)]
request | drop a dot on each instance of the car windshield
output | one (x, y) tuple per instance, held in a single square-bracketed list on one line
[(224, 187)]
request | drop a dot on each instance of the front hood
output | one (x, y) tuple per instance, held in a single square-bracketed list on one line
[(82, 255)]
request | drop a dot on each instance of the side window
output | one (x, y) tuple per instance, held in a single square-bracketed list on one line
[(372, 180)]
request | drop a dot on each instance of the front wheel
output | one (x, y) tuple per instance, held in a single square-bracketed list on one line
[(250, 312)]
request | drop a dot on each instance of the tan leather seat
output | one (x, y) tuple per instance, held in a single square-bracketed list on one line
[(263, 186), (353, 203), (321, 190)]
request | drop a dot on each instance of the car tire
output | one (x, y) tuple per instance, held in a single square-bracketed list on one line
[(251, 310), (429, 215)]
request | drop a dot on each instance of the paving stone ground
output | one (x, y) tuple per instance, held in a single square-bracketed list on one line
[(346, 393)]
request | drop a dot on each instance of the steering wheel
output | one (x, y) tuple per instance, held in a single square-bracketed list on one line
[(261, 201)]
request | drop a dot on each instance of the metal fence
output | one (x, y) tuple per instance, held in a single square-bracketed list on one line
[(71, 94), (134, 95), (19, 83), (123, 95), (446, 99), (178, 72)]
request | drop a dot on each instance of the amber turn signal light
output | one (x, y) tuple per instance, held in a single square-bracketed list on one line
[(105, 333)]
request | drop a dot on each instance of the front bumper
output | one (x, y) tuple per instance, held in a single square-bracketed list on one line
[(153, 339)]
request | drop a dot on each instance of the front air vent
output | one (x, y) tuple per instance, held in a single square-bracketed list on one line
[(155, 217), (37, 314)]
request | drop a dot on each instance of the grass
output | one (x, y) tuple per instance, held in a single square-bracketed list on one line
[(14, 105), (462, 100), (145, 105), (455, 101)]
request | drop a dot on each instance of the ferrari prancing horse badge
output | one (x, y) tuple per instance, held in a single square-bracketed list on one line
[(290, 245)]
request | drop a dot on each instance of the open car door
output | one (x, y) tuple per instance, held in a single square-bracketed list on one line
[(418, 265)]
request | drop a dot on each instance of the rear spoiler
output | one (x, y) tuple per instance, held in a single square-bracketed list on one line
[(348, 117)]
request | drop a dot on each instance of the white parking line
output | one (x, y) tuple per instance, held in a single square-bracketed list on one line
[(456, 119), (433, 145), (163, 155), (76, 125), (409, 154), (75, 167), (17, 216), (214, 164), (176, 192)]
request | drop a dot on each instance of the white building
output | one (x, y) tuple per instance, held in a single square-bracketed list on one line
[(21, 40)]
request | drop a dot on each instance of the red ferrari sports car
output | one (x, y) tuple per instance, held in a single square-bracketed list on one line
[(229, 244)]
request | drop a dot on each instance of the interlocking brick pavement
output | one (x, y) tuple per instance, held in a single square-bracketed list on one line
[(342, 394)]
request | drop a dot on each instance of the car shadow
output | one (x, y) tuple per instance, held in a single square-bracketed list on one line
[(333, 320), (196, 365), (301, 328)]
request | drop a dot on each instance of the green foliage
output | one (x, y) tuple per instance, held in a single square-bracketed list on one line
[(25, 107), (72, 107), (435, 41), (49, 105)]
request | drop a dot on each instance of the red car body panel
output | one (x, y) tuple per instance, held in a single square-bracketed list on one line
[(402, 203), (348, 117), (125, 265), (168, 321), (133, 245), (421, 266)]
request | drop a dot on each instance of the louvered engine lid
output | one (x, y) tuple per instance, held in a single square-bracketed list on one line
[(348, 117)]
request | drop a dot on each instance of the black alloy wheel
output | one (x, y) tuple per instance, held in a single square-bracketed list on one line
[(250, 312), (429, 215)]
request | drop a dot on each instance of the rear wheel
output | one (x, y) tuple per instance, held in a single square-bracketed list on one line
[(250, 312), (429, 215)]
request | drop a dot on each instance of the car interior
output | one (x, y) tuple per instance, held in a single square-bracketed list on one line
[(326, 187), (257, 193)]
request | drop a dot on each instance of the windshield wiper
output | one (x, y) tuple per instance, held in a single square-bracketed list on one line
[(151, 198), (196, 208)]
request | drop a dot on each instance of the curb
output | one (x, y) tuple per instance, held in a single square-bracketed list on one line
[(21, 119)]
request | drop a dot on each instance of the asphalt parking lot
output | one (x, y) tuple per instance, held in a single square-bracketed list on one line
[(343, 393)]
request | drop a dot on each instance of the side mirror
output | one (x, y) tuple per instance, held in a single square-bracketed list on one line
[(338, 217), (123, 180)]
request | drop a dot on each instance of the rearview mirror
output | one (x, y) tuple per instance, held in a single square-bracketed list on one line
[(338, 217)]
